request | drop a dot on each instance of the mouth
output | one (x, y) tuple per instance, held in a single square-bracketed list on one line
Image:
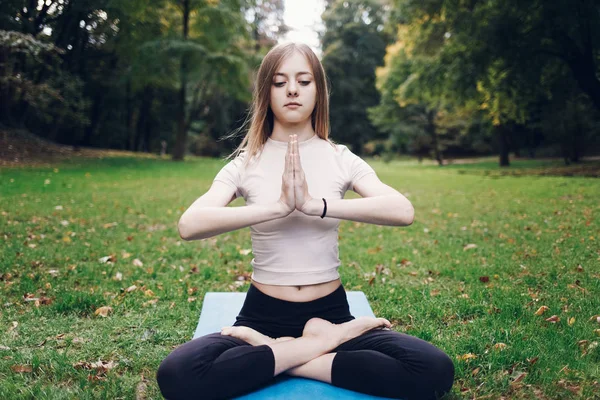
[(293, 104)]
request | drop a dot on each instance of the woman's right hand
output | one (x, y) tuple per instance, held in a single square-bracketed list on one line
[(287, 199)]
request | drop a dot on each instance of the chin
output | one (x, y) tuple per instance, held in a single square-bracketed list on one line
[(294, 120)]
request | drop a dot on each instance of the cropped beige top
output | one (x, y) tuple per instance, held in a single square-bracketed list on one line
[(298, 249)]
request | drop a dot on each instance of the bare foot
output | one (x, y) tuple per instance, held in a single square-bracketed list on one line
[(356, 327), (323, 331), (251, 336)]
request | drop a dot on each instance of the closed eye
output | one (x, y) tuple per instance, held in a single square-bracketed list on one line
[(303, 83)]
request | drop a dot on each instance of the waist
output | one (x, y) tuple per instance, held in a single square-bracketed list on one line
[(298, 293)]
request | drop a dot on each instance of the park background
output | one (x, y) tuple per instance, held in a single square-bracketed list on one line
[(115, 116)]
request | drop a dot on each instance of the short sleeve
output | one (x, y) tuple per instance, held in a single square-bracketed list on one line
[(355, 167), (231, 175)]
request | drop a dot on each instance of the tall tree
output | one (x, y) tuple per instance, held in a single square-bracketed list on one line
[(354, 44)]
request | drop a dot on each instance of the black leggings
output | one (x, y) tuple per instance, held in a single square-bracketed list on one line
[(382, 363)]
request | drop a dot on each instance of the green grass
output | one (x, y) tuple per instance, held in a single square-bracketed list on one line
[(531, 234)]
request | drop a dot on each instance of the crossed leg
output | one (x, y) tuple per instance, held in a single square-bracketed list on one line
[(220, 366), (377, 362)]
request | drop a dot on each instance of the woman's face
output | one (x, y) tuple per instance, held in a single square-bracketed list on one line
[(293, 82)]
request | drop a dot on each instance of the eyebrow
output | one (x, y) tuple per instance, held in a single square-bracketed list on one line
[(299, 73)]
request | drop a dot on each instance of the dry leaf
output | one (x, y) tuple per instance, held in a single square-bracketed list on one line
[(519, 378), (484, 279), (475, 371), (118, 276), (21, 368), (130, 288), (138, 263), (499, 346), (533, 360), (571, 321), (541, 310), (103, 311), (108, 259), (245, 252), (470, 246), (466, 357), (554, 319)]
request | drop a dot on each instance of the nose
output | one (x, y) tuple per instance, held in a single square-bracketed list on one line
[(292, 90)]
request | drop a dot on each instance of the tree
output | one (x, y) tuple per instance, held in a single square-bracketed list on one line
[(353, 46)]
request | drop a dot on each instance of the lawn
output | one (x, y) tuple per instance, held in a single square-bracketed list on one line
[(501, 272)]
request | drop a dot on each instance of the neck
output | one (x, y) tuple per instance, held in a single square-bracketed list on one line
[(283, 130)]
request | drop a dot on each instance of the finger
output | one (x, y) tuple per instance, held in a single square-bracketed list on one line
[(287, 159), (290, 163), (297, 154), (293, 164)]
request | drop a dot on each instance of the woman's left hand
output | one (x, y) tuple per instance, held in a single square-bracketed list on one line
[(303, 198)]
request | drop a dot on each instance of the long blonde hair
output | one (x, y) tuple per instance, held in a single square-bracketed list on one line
[(261, 115)]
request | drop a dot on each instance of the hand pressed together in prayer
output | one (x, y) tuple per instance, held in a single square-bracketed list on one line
[(294, 189)]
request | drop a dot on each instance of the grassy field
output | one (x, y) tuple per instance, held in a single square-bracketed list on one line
[(474, 274)]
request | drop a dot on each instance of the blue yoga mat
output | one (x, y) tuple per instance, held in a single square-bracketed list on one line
[(219, 309)]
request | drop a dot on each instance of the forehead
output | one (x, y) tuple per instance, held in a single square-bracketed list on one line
[(293, 65)]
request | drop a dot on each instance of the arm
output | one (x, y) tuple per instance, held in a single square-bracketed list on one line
[(381, 205), (209, 215)]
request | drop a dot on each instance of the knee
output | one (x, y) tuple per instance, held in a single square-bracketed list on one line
[(168, 378), (176, 379), (441, 370)]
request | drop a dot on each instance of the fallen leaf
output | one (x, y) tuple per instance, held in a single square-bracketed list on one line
[(108, 259), (374, 250), (519, 378), (554, 319), (245, 252), (499, 346), (141, 389), (21, 368), (541, 310), (571, 321), (467, 356), (138, 263), (470, 246), (103, 311), (484, 279), (475, 371), (532, 360), (131, 288)]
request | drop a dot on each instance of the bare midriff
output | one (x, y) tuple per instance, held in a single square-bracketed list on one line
[(299, 293)]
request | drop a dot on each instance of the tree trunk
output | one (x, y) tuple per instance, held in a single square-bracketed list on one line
[(181, 135), (504, 147), (575, 148), (434, 137), (143, 117)]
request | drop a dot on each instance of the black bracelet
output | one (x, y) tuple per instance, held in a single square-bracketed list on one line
[(324, 208)]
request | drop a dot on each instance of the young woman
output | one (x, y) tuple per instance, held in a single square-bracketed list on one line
[(296, 318)]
